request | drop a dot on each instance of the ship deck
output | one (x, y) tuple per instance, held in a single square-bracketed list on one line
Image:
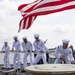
[(17, 72)]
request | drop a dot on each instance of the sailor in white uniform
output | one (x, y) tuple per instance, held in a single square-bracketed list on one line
[(6, 49), (28, 48), (40, 49), (63, 53), (17, 46)]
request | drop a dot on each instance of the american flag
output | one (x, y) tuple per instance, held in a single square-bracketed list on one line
[(42, 7)]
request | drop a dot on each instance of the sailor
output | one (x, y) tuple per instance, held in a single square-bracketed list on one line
[(63, 53), (40, 49), (6, 49), (27, 48), (17, 47)]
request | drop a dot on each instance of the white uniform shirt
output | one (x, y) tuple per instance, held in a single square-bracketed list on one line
[(40, 46), (64, 53), (16, 45), (27, 46), (6, 49)]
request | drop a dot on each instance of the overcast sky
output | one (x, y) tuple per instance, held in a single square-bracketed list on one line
[(53, 27)]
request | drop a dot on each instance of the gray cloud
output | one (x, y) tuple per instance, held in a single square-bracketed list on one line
[(48, 26), (13, 0), (1, 0)]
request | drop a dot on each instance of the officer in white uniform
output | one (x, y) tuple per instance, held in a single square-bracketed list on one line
[(28, 48), (63, 53), (6, 49), (40, 49), (17, 46)]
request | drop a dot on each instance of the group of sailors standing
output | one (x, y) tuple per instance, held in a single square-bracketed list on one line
[(62, 53), (27, 46)]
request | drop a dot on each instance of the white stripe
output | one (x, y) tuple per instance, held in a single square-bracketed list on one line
[(29, 5), (27, 23), (51, 8), (22, 23), (22, 13), (45, 1), (33, 18)]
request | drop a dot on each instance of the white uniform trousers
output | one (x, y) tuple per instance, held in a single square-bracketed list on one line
[(38, 57), (6, 61), (16, 61), (59, 61), (25, 59)]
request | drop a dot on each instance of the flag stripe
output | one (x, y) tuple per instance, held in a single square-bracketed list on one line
[(50, 8), (45, 2), (30, 5), (26, 23), (33, 18), (21, 24), (52, 3), (43, 7)]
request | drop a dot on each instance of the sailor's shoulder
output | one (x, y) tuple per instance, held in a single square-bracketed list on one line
[(29, 42), (69, 49)]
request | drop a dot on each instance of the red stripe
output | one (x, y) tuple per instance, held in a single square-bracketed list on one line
[(30, 9), (34, 7), (55, 3), (20, 25), (53, 11), (30, 21), (24, 24), (20, 22)]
